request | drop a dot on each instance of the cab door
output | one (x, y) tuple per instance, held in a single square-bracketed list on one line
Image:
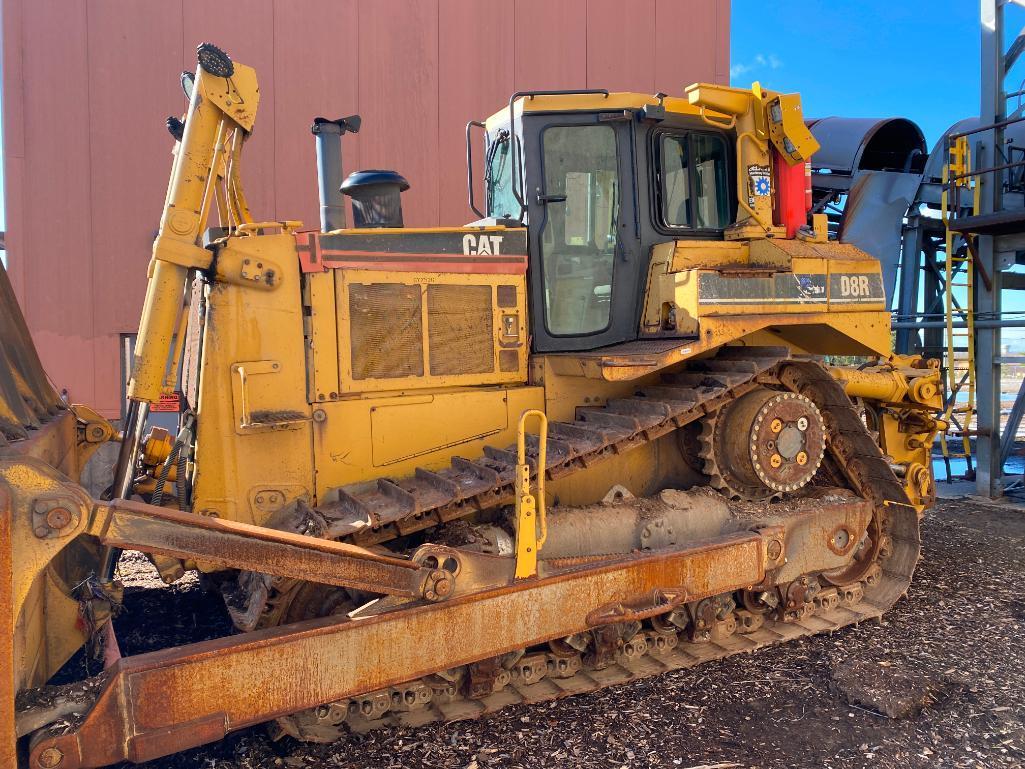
[(580, 192)]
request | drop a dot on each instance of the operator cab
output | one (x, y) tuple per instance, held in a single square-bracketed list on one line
[(599, 179)]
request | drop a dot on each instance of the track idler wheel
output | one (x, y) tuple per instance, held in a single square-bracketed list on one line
[(763, 444)]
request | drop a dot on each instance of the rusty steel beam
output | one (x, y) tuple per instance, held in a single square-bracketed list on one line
[(230, 544), (156, 704)]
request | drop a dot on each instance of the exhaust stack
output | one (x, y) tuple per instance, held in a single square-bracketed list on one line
[(328, 135)]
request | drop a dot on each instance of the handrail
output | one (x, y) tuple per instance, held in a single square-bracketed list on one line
[(988, 127), (528, 540), (469, 168)]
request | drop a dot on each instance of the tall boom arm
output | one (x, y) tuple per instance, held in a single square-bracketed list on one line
[(222, 110)]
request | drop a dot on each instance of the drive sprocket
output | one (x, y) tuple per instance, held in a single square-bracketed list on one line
[(762, 445)]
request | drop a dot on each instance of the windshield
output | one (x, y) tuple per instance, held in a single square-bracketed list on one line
[(501, 203)]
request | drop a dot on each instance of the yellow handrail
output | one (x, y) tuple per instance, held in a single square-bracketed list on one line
[(530, 509)]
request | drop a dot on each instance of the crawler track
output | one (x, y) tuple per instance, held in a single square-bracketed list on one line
[(373, 513), (622, 652)]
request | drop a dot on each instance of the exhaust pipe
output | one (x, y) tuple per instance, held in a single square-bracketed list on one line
[(328, 135)]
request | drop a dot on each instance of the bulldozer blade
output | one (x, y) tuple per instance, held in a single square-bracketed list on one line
[(8, 739), (166, 701)]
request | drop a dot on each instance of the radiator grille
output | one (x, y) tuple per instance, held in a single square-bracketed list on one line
[(460, 327), (387, 330)]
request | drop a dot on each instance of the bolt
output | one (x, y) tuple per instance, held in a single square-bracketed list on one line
[(58, 518), (319, 415), (774, 549), (802, 424), (42, 531), (50, 758), (442, 586)]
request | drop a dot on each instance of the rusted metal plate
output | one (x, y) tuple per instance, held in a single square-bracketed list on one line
[(7, 691), (179, 698), (130, 525), (27, 398)]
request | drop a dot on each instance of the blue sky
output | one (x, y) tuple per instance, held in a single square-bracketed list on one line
[(865, 58)]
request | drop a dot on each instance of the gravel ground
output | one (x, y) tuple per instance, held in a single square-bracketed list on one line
[(947, 663)]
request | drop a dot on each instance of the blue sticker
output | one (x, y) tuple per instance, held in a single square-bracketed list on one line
[(761, 184)]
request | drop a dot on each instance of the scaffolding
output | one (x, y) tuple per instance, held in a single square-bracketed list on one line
[(959, 307), (963, 247)]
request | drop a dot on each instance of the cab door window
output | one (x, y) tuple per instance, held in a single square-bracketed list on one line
[(691, 181), (578, 240)]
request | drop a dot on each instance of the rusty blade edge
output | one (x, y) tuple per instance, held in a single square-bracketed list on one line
[(174, 699)]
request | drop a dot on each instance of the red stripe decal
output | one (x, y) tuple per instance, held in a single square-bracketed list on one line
[(437, 265), (313, 259)]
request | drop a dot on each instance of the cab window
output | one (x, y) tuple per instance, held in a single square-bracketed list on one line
[(578, 240), (691, 181)]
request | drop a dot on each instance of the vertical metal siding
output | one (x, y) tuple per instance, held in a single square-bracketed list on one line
[(399, 95), (621, 53), (551, 43), (128, 152), (87, 85), (475, 66)]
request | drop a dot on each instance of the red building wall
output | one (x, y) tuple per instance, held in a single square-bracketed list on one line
[(87, 85)]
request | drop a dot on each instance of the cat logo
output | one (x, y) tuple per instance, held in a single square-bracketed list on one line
[(854, 285), (484, 245)]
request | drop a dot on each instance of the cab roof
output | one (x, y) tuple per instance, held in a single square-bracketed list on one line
[(597, 102)]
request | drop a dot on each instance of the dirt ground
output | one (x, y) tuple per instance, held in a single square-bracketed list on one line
[(947, 664)]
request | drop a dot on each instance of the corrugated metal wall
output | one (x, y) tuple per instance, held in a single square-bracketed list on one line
[(87, 85)]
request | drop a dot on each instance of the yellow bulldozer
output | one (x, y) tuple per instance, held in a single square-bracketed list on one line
[(596, 435)]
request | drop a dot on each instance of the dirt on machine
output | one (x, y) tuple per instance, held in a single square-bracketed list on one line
[(598, 434)]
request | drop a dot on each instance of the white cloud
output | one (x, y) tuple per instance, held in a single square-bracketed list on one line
[(760, 63)]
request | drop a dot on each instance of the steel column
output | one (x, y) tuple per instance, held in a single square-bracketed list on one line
[(907, 292), (989, 473)]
